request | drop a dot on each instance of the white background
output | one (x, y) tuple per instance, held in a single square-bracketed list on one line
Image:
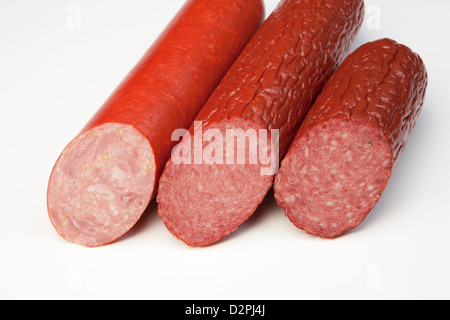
[(60, 60)]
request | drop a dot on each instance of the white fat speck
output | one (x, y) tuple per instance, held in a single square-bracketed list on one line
[(303, 171), (75, 224), (314, 168), (100, 189), (349, 154), (370, 188), (118, 174), (114, 210), (385, 163), (334, 143), (350, 214), (306, 152), (323, 225), (200, 187), (334, 225), (329, 203), (341, 176), (290, 198), (362, 184), (334, 171), (345, 135), (333, 148)]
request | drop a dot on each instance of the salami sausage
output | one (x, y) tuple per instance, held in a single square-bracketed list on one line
[(210, 186), (105, 178), (343, 155)]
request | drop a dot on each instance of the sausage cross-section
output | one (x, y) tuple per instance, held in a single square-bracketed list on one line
[(105, 178), (258, 107), (343, 155)]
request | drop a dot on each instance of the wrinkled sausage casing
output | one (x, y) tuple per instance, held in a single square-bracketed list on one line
[(270, 87), (343, 155), (105, 178)]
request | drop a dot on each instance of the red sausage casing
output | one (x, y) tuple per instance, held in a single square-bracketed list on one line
[(270, 87), (106, 177), (346, 148)]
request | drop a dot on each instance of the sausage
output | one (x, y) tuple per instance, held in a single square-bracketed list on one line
[(343, 155), (106, 177), (224, 166)]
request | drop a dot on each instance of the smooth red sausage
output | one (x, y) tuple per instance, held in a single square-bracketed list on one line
[(106, 177), (343, 155), (265, 95)]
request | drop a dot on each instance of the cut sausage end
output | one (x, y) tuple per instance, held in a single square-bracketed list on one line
[(201, 203), (101, 184), (333, 176)]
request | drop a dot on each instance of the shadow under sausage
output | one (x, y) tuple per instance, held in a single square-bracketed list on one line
[(151, 218)]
